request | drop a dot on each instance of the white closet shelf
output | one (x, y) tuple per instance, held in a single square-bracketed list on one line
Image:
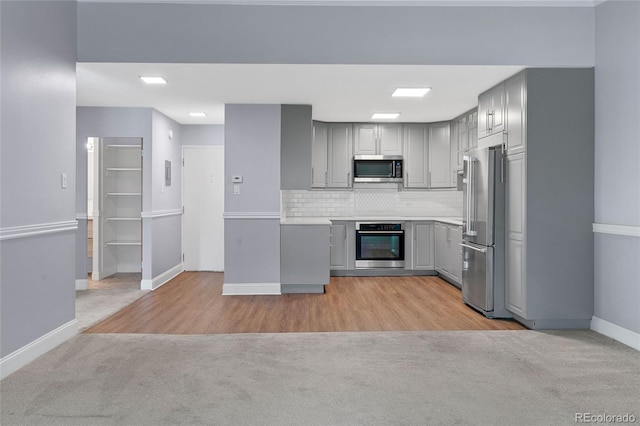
[(124, 146), (124, 169), (122, 219), (123, 243), (122, 194)]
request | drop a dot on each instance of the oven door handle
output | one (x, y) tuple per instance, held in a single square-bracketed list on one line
[(380, 232)]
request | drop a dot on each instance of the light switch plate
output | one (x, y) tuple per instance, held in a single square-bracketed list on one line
[(236, 189)]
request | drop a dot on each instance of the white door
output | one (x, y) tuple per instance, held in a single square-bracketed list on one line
[(203, 200)]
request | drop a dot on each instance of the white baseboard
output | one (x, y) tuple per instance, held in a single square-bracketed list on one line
[(246, 289), (23, 356), (163, 278), (82, 284), (616, 332)]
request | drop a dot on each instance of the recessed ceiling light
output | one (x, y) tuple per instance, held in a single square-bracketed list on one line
[(407, 92), (153, 80), (385, 115), (197, 114)]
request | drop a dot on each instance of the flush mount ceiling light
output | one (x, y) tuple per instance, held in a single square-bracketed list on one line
[(385, 115), (197, 114), (406, 92), (153, 80)]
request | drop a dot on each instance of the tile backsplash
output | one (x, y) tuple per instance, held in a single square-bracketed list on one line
[(371, 200)]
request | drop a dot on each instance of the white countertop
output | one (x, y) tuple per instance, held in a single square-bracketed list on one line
[(327, 220)]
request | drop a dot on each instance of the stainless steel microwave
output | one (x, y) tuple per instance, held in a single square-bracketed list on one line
[(377, 168)]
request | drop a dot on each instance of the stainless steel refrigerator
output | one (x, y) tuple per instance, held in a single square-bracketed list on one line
[(483, 232)]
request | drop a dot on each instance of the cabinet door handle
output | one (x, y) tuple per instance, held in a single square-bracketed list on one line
[(349, 179), (325, 178), (312, 175)]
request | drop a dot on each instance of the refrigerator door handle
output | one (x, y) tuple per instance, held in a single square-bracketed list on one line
[(466, 181), (481, 250), (471, 201)]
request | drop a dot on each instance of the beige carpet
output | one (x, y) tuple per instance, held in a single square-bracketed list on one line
[(93, 306), (392, 378)]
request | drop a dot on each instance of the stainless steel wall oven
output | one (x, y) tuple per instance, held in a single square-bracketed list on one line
[(379, 245)]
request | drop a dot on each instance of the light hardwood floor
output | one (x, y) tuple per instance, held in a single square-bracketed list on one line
[(192, 303)]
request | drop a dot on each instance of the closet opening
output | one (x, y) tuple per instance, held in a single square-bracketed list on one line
[(115, 206)]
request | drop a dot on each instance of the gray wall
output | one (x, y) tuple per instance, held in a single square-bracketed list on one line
[(166, 237), (202, 134), (107, 122), (165, 197), (252, 149), (617, 153), (37, 78), (335, 35)]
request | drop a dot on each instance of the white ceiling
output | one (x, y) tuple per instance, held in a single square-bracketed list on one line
[(336, 92), (395, 3)]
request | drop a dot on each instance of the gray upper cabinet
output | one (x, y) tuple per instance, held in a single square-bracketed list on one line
[(319, 155), (377, 139), (365, 139), (295, 146), (416, 157), (439, 156), (464, 135), (516, 114), (491, 111), (340, 155), (472, 127)]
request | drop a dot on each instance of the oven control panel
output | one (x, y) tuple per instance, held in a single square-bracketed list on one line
[(380, 226)]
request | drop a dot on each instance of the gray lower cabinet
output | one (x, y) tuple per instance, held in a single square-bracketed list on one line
[(304, 258), (339, 245), (515, 208), (423, 256), (448, 253)]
